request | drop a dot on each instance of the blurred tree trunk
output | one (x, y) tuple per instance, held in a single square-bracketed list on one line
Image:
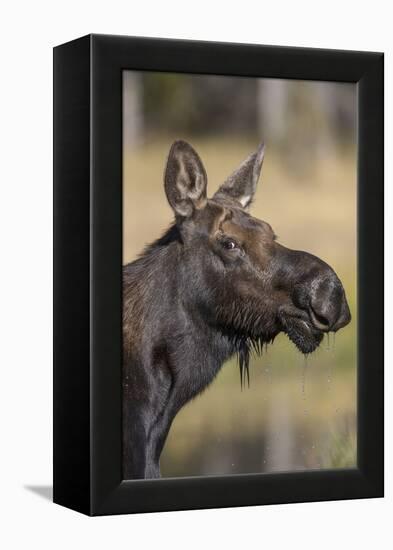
[(133, 122), (272, 104)]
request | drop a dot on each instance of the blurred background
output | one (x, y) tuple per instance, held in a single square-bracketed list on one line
[(298, 413)]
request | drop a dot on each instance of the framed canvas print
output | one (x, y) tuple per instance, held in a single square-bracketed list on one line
[(218, 275)]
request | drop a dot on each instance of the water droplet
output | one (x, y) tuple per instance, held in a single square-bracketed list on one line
[(304, 372)]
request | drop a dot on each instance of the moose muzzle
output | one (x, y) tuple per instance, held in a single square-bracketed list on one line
[(322, 296)]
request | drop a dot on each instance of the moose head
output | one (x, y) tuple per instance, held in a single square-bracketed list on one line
[(241, 279)]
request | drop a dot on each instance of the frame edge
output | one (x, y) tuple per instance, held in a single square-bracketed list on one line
[(71, 275)]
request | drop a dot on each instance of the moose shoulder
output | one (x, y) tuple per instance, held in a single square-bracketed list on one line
[(215, 284)]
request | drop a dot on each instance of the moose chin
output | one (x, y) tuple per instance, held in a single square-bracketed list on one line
[(216, 284)]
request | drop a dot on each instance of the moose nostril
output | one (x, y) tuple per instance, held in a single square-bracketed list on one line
[(326, 302), (320, 321)]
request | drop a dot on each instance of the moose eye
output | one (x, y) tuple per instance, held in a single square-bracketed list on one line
[(229, 244)]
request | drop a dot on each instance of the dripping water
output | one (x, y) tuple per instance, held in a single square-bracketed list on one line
[(268, 375), (332, 349), (304, 399), (304, 373)]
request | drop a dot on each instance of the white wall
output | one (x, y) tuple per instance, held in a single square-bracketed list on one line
[(28, 32)]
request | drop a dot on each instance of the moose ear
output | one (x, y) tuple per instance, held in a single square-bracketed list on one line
[(242, 184), (185, 179)]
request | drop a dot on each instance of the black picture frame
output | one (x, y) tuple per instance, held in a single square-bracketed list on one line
[(87, 274)]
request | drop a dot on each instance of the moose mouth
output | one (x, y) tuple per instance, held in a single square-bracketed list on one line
[(302, 333)]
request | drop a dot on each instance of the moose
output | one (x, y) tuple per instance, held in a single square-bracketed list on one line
[(216, 284)]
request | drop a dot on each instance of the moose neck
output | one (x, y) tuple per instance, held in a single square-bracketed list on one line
[(166, 297)]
